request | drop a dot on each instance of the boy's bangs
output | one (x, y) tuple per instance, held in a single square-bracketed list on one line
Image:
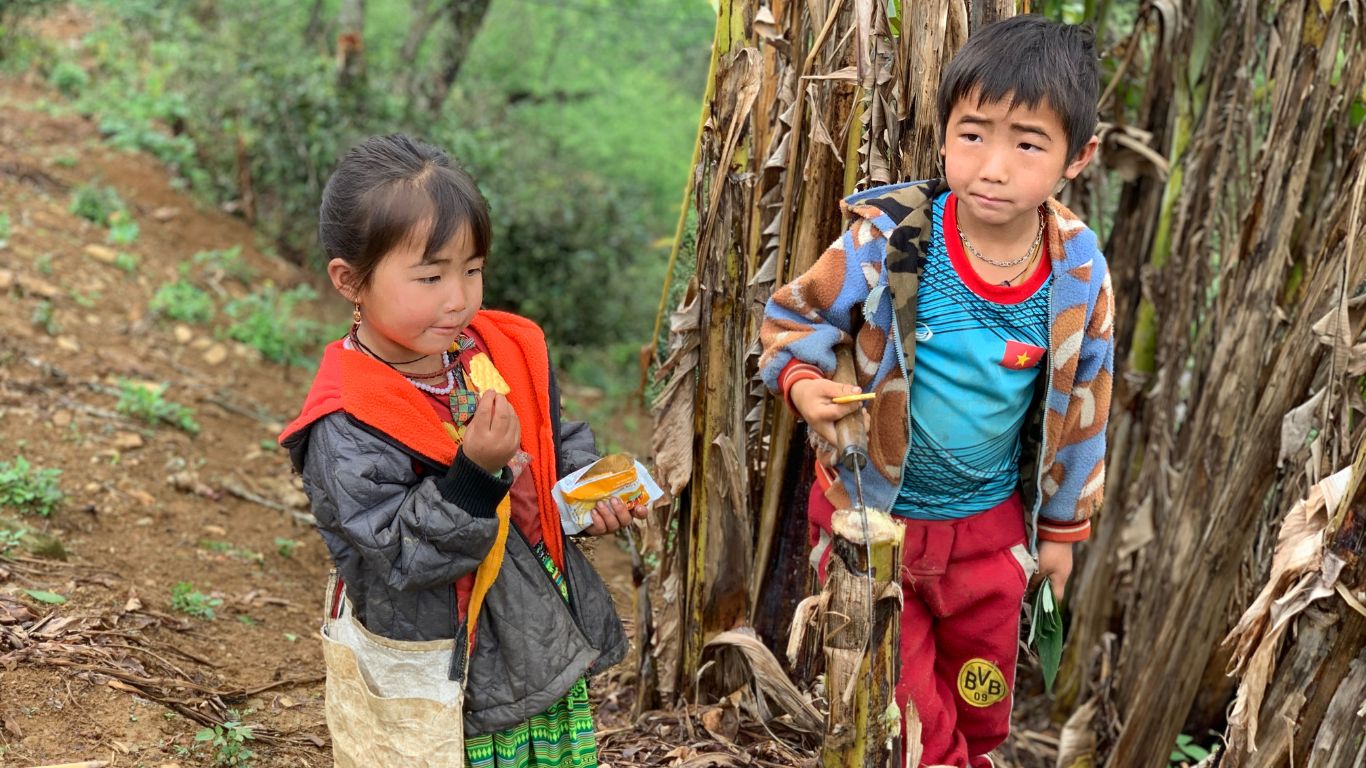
[(1033, 62)]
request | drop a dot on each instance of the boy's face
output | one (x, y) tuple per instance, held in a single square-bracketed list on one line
[(1002, 159)]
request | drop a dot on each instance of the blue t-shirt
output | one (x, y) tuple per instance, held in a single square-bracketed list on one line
[(978, 355)]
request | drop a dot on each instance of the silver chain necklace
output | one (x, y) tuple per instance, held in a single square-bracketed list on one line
[(1038, 236)]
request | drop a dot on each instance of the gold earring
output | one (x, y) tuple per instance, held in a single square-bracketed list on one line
[(355, 315)]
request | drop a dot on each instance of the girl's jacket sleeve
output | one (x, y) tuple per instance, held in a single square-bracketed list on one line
[(808, 318), (419, 532)]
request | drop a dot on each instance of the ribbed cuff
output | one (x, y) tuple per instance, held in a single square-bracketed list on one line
[(468, 486), (1052, 530), (793, 372)]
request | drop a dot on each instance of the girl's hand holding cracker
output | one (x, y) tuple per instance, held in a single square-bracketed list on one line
[(494, 434), (611, 515), (814, 399)]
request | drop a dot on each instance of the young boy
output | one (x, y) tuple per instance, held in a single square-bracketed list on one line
[(980, 312)]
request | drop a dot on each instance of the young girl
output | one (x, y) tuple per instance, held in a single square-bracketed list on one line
[(406, 456)]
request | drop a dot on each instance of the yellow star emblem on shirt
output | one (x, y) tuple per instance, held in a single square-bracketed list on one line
[(1022, 360)]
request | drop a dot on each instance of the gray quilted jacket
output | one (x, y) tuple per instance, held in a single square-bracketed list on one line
[(400, 537)]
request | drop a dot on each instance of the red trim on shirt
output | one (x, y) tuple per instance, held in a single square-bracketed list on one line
[(793, 372), (1051, 530), (1000, 294)]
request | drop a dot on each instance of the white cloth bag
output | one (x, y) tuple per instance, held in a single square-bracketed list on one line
[(389, 703)]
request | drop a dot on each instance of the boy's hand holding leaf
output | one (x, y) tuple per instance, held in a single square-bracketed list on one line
[(1045, 630)]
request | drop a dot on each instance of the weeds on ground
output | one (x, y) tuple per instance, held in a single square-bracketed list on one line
[(183, 301), (229, 741), (185, 599), (5, 229), (97, 204), (267, 320), (128, 262), (29, 489), (10, 539), (86, 300), (68, 78), (285, 547), (231, 550), (149, 404), (226, 262), (123, 230), (45, 317)]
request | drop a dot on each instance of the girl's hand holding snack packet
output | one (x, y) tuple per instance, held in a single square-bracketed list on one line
[(616, 476)]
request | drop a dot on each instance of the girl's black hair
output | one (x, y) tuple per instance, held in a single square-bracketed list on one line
[(1030, 59), (390, 188)]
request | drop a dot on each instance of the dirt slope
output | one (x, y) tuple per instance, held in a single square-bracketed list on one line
[(145, 507)]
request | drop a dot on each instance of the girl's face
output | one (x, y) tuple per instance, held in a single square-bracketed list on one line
[(414, 307)]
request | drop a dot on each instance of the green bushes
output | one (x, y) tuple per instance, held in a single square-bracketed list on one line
[(269, 322), (580, 146)]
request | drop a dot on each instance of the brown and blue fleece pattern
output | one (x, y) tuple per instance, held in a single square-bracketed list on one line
[(863, 289)]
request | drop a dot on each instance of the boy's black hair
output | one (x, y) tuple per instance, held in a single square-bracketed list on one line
[(1031, 60), (391, 188)]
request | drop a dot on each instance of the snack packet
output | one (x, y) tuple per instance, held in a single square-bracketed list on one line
[(617, 475)]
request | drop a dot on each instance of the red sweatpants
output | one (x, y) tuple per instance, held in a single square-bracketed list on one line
[(960, 625)]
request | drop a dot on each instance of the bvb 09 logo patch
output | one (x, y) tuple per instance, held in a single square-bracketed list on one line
[(981, 683)]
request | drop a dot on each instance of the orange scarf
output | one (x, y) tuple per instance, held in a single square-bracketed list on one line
[(380, 397), (517, 347)]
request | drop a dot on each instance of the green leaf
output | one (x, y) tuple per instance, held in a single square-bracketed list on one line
[(204, 735), (51, 598), (1045, 633), (894, 17), (1195, 751)]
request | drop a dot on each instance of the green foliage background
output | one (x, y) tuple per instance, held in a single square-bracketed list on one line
[(576, 116)]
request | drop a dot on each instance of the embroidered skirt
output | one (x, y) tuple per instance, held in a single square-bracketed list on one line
[(560, 737)]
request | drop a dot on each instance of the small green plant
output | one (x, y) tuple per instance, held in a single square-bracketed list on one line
[(128, 262), (185, 599), (96, 204), (44, 264), (183, 301), (149, 404), (229, 549), (1188, 752), (123, 230), (227, 262), (68, 78), (45, 317), (65, 161), (28, 488), (228, 741), (267, 321), (285, 547), (4, 229), (10, 539), (247, 620), (86, 300)]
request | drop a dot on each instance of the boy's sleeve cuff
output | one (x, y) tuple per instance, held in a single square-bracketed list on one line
[(1052, 530), (470, 487), (793, 372)]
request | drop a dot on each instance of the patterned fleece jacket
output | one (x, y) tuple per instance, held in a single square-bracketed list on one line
[(863, 290)]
